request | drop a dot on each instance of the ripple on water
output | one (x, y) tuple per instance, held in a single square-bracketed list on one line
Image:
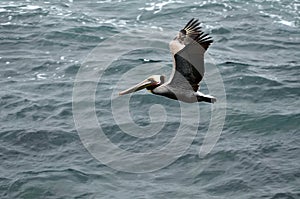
[(256, 50)]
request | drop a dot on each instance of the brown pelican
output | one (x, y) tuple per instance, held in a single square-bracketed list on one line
[(187, 49)]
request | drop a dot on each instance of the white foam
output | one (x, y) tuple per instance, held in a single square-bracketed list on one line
[(6, 23), (9, 5), (157, 28), (114, 22), (287, 23), (279, 19), (104, 1), (31, 7), (157, 7), (41, 76), (270, 15)]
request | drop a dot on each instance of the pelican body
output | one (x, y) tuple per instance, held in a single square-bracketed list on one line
[(187, 48)]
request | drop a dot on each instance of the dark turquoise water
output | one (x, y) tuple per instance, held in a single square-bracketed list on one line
[(256, 49)]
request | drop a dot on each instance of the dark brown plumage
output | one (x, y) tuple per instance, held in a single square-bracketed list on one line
[(187, 49)]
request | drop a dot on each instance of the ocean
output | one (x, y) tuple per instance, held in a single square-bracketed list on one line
[(65, 132)]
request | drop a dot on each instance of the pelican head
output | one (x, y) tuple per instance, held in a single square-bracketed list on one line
[(150, 83)]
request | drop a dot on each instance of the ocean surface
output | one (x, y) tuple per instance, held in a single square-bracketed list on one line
[(45, 44)]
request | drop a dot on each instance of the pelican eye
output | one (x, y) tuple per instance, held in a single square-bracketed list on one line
[(153, 81)]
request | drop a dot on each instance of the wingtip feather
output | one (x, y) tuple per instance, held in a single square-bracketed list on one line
[(193, 30)]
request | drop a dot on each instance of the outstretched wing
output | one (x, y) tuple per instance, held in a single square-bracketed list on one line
[(188, 50)]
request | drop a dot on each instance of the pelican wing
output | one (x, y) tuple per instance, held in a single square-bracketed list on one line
[(188, 50)]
